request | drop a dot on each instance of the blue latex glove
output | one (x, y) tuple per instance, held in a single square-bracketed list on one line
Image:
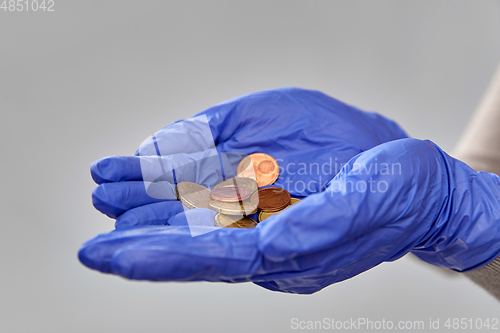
[(414, 198)]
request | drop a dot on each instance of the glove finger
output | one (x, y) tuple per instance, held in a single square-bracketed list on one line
[(162, 213), (206, 168), (152, 214), (113, 199), (116, 169), (97, 252), (226, 254)]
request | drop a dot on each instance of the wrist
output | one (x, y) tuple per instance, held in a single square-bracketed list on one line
[(466, 232)]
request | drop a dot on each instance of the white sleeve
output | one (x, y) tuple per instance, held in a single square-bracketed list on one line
[(479, 147)]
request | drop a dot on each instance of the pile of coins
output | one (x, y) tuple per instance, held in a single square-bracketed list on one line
[(236, 198)]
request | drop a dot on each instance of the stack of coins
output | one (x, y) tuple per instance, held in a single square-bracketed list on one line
[(236, 198), (233, 202), (265, 214)]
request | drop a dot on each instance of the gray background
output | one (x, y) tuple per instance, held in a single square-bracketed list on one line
[(95, 78)]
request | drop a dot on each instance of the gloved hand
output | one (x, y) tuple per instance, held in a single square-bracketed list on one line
[(397, 197), (297, 127)]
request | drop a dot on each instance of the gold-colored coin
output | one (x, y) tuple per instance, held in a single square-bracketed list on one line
[(228, 221), (248, 183), (193, 195), (233, 208), (265, 215)]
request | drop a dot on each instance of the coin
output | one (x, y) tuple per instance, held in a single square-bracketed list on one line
[(192, 195), (273, 199), (248, 183), (233, 208), (265, 215), (255, 198), (230, 193), (261, 167), (229, 221)]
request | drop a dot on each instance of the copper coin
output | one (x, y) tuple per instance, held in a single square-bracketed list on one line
[(228, 221), (233, 208), (261, 167), (273, 199), (248, 183), (265, 215), (192, 195), (230, 193)]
